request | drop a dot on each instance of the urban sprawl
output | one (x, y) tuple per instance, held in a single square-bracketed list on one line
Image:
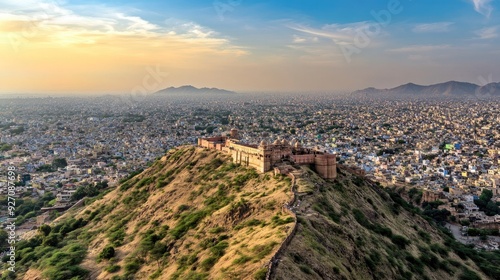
[(448, 150)]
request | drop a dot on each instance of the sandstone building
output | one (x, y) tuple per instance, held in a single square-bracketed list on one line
[(265, 156)]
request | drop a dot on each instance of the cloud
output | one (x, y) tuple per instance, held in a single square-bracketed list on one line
[(483, 7), (308, 39), (334, 43), (435, 27), (342, 34), (487, 33), (420, 48), (54, 22), (298, 39), (427, 54)]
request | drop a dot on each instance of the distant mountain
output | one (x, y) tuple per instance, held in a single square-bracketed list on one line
[(451, 88), (193, 90), (491, 88)]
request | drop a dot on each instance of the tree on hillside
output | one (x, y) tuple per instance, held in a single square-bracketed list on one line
[(45, 230), (485, 203), (107, 253), (159, 252), (3, 239), (59, 163), (84, 191), (486, 195), (102, 185)]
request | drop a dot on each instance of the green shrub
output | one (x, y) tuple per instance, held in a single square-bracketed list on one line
[(112, 268), (370, 263), (51, 240), (208, 263), (116, 237), (436, 248), (65, 273), (132, 266), (277, 221), (187, 260), (260, 274), (182, 208), (385, 231), (424, 235), (242, 259), (415, 264), (193, 275), (219, 199), (400, 241), (361, 218), (187, 221), (44, 230), (469, 275), (263, 250), (217, 230), (249, 223), (305, 269), (430, 260), (219, 249), (136, 197), (144, 181), (107, 253)]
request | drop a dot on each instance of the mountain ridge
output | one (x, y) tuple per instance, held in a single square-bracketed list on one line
[(450, 88), (189, 89)]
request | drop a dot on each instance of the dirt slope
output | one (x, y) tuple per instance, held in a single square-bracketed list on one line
[(350, 228)]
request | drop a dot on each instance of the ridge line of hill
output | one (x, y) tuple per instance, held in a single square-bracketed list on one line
[(194, 214), (289, 208)]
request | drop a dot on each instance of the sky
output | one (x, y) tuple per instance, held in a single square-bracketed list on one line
[(132, 46)]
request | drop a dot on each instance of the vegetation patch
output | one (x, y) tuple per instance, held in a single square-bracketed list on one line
[(187, 221)]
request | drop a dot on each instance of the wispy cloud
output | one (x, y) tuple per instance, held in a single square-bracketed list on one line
[(488, 33), (53, 22), (420, 48), (336, 42), (341, 34), (483, 7), (304, 39), (435, 27), (427, 54)]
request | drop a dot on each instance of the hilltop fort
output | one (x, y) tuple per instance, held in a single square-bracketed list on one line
[(268, 156)]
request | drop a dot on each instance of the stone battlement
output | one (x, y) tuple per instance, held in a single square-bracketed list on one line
[(265, 156)]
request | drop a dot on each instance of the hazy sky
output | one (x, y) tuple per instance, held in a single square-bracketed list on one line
[(126, 46)]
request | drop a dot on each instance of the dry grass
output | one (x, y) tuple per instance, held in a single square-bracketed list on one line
[(334, 241), (200, 196)]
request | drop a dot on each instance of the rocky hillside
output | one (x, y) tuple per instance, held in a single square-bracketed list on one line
[(195, 215), (191, 215), (353, 229)]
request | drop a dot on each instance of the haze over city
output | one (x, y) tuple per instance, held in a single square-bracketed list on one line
[(99, 47), (238, 139)]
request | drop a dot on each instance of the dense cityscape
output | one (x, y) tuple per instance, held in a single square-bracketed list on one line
[(449, 149), (254, 140)]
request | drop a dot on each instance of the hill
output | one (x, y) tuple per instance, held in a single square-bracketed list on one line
[(192, 215), (451, 88), (353, 229), (195, 215), (183, 90)]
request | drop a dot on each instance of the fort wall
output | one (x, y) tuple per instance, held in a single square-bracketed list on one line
[(215, 143), (265, 156), (303, 159), (248, 156), (326, 166)]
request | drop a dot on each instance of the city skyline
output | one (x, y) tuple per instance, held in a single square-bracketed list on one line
[(65, 47)]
